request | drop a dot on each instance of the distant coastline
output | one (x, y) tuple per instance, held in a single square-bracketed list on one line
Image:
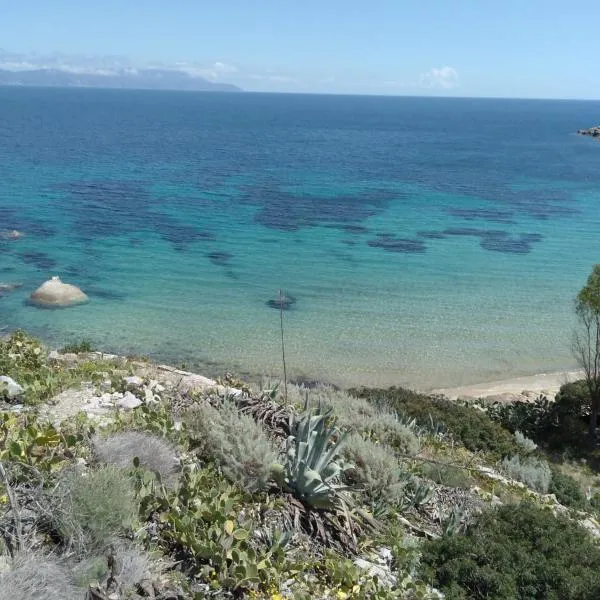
[(134, 79)]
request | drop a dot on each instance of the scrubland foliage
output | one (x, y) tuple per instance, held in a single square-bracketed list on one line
[(234, 441)]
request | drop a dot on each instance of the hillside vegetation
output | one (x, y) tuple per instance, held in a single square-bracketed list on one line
[(124, 479)]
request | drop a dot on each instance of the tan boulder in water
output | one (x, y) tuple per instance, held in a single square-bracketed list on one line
[(56, 293)]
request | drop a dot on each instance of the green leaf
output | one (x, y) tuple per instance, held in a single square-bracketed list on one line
[(16, 449), (241, 534)]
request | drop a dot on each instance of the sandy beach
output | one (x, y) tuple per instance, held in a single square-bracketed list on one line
[(509, 389)]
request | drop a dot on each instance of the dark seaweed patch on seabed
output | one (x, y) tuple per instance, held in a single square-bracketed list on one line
[(220, 258), (498, 241), (392, 244), (40, 260), (348, 228), (10, 218), (431, 235), (180, 235), (110, 208), (289, 212), (486, 214)]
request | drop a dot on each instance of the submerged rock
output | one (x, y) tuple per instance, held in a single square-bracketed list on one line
[(9, 287), (55, 293), (12, 234), (282, 301)]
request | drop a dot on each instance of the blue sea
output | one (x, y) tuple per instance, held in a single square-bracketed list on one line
[(427, 241)]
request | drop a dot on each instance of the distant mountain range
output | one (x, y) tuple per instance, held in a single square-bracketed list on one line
[(142, 79)]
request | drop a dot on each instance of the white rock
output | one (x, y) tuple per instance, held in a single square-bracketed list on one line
[(55, 293), (149, 397), (106, 400), (133, 381), (193, 382), (386, 555), (53, 355), (129, 401), (385, 576), (10, 386)]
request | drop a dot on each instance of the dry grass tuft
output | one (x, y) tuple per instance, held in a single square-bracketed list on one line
[(154, 453), (92, 509), (34, 577)]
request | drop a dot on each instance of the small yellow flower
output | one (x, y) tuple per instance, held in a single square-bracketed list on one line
[(277, 597), (342, 595), (3, 499)]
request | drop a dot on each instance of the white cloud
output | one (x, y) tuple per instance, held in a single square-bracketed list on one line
[(275, 78), (445, 78), (224, 68)]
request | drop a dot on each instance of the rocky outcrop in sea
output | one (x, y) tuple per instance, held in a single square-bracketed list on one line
[(592, 131)]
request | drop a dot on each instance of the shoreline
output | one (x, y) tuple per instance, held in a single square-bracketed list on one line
[(522, 387), (513, 388)]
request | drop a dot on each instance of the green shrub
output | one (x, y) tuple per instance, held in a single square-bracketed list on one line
[(204, 525), (556, 425), (533, 472), (21, 351), (237, 443), (35, 577), (468, 425), (80, 347), (448, 475), (153, 453), (91, 510), (518, 552), (566, 489), (375, 468)]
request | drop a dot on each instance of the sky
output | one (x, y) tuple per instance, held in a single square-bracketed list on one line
[(497, 48)]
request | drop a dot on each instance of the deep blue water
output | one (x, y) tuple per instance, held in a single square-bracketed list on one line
[(427, 241)]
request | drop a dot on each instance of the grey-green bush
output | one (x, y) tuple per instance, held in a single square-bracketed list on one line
[(524, 442), (389, 429), (377, 469), (350, 412), (92, 509), (237, 443), (34, 577), (357, 414), (154, 453), (534, 473)]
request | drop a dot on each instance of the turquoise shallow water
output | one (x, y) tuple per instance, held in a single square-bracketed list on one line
[(428, 242)]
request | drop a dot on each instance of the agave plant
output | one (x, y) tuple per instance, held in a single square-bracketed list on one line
[(312, 464)]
